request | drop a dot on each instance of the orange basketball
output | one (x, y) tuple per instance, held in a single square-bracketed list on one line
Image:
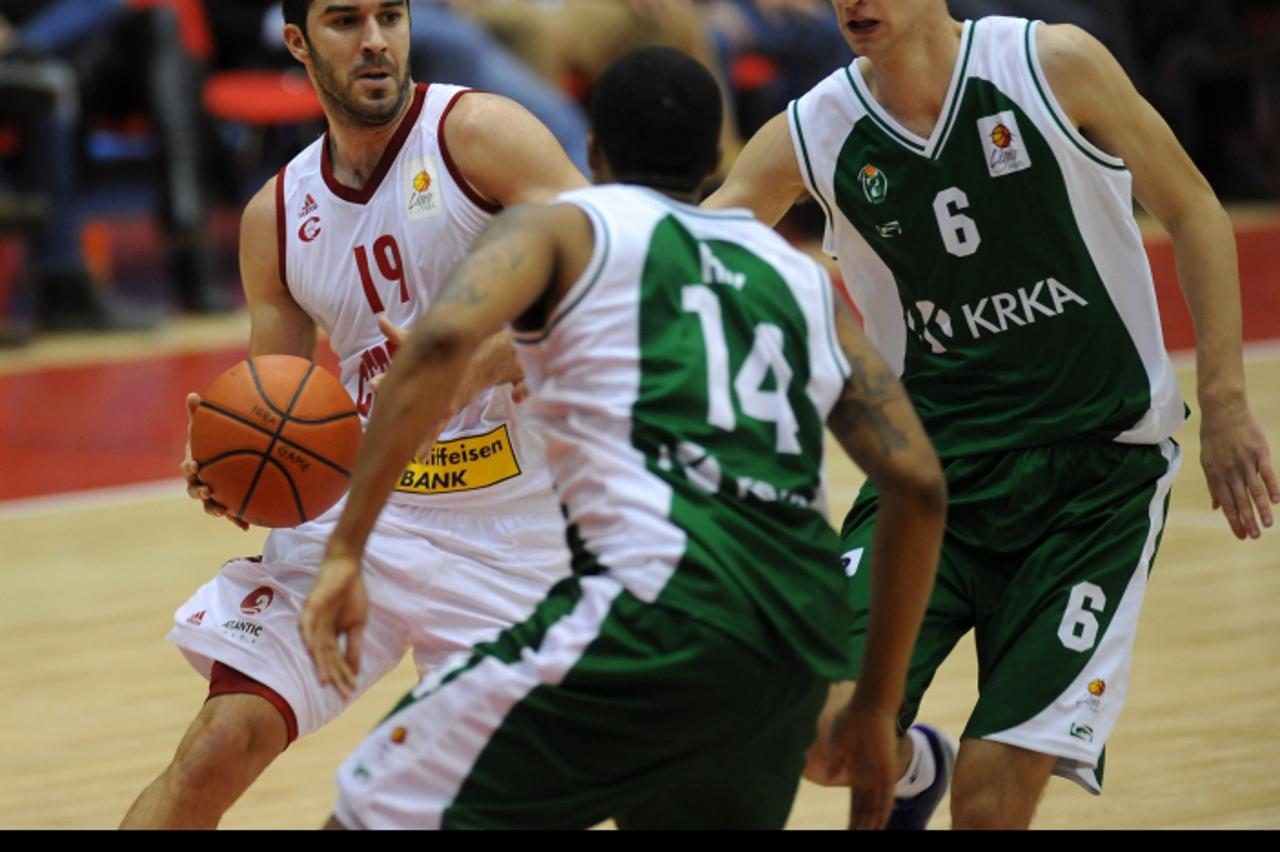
[(275, 438)]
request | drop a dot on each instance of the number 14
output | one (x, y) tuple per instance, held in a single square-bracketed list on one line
[(766, 356)]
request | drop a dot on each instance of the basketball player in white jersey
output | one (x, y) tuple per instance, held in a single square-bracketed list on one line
[(978, 181), (356, 235)]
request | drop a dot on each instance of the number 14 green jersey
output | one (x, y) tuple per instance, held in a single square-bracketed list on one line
[(997, 262), (682, 385)]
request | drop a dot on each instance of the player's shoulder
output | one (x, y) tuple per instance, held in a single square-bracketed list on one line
[(832, 89), (1082, 74), (1066, 48), (479, 116), (260, 212)]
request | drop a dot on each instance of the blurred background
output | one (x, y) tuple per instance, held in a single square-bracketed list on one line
[(133, 131)]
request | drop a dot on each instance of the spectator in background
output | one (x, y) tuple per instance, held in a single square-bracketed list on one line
[(125, 61), (40, 99), (1109, 21), (572, 41), (447, 46), (798, 39)]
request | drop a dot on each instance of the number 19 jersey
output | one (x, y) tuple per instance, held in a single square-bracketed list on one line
[(997, 262), (682, 385), (349, 254)]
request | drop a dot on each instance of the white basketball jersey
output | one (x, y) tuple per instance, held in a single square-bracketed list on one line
[(348, 255)]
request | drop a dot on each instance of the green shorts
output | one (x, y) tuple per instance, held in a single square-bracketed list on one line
[(599, 706), (1046, 557)]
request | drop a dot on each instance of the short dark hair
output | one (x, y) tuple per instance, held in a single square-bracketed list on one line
[(656, 115), (295, 12)]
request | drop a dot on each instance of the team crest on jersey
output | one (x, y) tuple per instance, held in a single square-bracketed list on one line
[(423, 198), (1002, 144), (874, 182)]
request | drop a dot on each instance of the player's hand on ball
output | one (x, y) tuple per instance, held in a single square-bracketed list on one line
[(197, 489), (863, 748), (337, 606)]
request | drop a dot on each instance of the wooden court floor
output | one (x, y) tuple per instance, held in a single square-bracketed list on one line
[(94, 700)]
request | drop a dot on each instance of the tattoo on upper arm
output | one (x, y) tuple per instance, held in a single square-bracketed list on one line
[(462, 291), (868, 393), (494, 257)]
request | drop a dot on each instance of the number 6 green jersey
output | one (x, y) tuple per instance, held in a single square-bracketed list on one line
[(997, 263), (682, 385)]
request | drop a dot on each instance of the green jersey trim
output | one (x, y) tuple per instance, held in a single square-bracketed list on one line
[(937, 140), (579, 291), (880, 122), (958, 95), (1042, 87), (808, 165)]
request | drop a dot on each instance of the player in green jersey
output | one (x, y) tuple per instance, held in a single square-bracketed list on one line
[(978, 179), (682, 364)]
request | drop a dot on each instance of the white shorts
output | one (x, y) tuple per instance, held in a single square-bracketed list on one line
[(439, 581)]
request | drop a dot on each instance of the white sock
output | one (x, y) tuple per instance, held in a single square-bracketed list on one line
[(921, 770)]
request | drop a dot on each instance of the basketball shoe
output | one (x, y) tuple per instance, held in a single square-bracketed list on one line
[(914, 813)]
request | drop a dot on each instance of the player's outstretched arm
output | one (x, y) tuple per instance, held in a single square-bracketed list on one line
[(506, 154), (765, 178), (876, 424), (1100, 99), (510, 268)]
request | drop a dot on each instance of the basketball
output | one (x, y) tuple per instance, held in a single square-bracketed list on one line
[(275, 438)]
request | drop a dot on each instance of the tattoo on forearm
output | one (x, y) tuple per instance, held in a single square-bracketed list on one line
[(865, 402)]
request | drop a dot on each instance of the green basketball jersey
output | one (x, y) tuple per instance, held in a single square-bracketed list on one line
[(682, 385), (997, 263)]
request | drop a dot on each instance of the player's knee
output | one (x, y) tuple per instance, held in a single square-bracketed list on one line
[(228, 740), (975, 805)]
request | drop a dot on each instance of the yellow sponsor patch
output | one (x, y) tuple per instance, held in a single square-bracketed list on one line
[(462, 464)]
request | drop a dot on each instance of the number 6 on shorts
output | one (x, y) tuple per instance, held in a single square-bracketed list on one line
[(1079, 628)]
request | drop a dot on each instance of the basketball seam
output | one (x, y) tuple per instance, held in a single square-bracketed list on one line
[(297, 496), (262, 392), (244, 421), (212, 460), (307, 420), (293, 487), (322, 421), (284, 420)]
